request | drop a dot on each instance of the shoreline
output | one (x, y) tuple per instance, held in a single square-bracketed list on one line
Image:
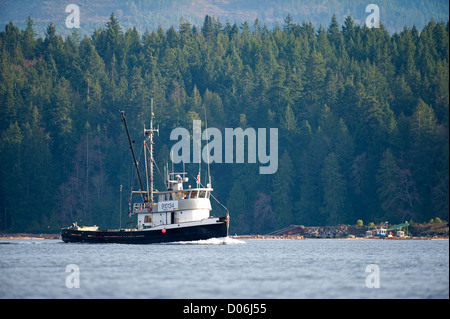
[(290, 237), (29, 236)]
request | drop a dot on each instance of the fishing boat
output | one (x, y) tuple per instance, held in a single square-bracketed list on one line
[(179, 214)]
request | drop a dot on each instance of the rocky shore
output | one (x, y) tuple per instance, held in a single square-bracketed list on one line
[(29, 236), (416, 231)]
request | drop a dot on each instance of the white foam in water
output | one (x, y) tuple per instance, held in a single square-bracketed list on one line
[(212, 241)]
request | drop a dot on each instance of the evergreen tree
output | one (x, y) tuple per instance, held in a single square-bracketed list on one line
[(282, 192), (333, 34), (314, 77), (397, 189), (28, 41), (236, 204), (12, 186), (334, 191)]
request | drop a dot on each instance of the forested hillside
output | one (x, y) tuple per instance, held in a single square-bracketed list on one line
[(362, 116), (394, 14)]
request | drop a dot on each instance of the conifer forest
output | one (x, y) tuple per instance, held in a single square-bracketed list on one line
[(362, 117)]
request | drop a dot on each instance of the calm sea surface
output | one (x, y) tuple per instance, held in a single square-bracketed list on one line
[(226, 268)]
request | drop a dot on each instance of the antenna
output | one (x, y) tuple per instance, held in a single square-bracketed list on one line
[(165, 176), (199, 160), (207, 149), (171, 159)]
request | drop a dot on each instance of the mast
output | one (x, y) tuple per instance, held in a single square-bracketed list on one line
[(150, 133), (151, 152), (132, 151)]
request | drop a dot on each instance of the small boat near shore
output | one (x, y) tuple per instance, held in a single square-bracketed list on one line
[(179, 214)]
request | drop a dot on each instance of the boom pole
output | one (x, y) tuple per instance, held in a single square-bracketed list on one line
[(132, 152)]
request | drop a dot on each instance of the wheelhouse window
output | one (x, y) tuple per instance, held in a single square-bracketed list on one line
[(148, 219)]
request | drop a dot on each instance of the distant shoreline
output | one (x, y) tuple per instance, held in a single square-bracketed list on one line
[(291, 237), (302, 237), (415, 231), (29, 236)]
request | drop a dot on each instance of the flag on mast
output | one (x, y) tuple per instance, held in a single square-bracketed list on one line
[(198, 178)]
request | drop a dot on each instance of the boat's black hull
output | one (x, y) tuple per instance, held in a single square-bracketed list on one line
[(190, 233)]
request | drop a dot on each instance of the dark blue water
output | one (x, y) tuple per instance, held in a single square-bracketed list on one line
[(226, 268)]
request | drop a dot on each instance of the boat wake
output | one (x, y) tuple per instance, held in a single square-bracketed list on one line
[(211, 241)]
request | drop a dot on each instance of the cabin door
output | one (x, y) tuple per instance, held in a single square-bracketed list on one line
[(172, 217)]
